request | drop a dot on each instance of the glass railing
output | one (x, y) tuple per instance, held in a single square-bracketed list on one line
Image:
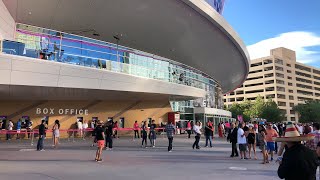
[(218, 5), (67, 48)]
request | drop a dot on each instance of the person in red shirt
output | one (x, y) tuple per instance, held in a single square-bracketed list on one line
[(271, 133), (189, 127), (136, 129)]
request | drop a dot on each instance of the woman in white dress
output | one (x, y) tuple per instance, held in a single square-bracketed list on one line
[(56, 133)]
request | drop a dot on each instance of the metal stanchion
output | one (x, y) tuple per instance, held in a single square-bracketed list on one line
[(68, 136), (32, 137), (73, 136)]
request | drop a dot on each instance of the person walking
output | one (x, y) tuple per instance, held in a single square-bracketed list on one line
[(144, 134), (189, 128), (298, 162), (270, 134), (170, 129), (208, 133), (42, 132), (197, 131), (242, 141), (152, 134), (100, 138), (136, 129), (109, 136), (232, 137), (252, 141), (56, 133)]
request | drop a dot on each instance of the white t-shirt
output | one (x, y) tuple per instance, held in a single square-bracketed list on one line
[(79, 123), (300, 128), (197, 129), (10, 126), (241, 140), (85, 125)]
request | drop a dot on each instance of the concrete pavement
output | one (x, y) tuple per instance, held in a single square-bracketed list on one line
[(74, 161)]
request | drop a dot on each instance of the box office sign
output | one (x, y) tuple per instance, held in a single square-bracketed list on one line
[(61, 111)]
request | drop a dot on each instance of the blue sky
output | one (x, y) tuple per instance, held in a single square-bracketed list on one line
[(266, 24)]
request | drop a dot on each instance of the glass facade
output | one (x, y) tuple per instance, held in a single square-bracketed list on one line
[(217, 5), (62, 47)]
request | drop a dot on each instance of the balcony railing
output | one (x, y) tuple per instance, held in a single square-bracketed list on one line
[(67, 48)]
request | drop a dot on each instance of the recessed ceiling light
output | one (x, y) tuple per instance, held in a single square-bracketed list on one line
[(29, 12)]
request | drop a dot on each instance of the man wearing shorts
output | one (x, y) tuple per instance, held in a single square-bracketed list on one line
[(242, 141), (100, 138), (271, 133)]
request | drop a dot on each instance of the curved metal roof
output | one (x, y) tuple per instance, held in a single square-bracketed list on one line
[(187, 31)]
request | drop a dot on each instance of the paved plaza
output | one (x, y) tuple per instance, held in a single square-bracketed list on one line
[(75, 161)]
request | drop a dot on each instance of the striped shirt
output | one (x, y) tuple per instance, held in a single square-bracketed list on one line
[(170, 130)]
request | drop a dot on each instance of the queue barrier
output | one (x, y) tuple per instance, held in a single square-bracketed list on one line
[(73, 131)]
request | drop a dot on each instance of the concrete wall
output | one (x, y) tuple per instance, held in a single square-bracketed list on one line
[(7, 23), (18, 70), (130, 110)]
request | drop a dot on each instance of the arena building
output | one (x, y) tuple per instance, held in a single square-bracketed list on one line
[(124, 60)]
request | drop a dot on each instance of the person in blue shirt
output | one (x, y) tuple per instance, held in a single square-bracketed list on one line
[(18, 128)]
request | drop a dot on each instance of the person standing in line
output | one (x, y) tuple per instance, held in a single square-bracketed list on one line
[(93, 127), (109, 136), (298, 162), (170, 129), (56, 133), (9, 128), (84, 128), (270, 134), (29, 128), (42, 131), (100, 138), (252, 141), (79, 125), (141, 128), (115, 129), (220, 130), (263, 144), (189, 128), (152, 134), (242, 141), (18, 128), (136, 129), (197, 131), (312, 144), (208, 133), (144, 134), (232, 137)]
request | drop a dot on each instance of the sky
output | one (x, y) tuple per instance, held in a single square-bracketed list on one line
[(268, 24)]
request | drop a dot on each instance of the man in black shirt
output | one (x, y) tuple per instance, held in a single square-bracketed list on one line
[(42, 131), (109, 135), (208, 133), (100, 138), (232, 137)]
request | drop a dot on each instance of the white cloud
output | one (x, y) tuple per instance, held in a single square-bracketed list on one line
[(298, 41)]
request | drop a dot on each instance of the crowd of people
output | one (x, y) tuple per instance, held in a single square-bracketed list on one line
[(296, 146), (298, 152)]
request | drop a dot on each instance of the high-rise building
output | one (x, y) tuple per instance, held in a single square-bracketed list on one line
[(122, 59), (280, 77)]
